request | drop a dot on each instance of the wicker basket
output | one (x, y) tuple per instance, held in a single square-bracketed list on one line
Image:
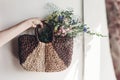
[(38, 56)]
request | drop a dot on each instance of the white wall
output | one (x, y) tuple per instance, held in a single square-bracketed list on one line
[(98, 57), (14, 11)]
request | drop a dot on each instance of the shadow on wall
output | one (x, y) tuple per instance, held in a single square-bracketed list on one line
[(14, 46)]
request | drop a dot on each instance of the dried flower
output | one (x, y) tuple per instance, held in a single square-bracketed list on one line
[(65, 23), (85, 29)]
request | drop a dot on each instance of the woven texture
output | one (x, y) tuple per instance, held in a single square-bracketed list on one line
[(37, 56)]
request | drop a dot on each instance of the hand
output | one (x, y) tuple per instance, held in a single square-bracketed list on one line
[(32, 22)]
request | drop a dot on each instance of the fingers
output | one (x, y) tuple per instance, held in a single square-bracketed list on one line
[(36, 21), (41, 24)]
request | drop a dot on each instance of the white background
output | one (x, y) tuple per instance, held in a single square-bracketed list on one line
[(14, 11), (98, 64)]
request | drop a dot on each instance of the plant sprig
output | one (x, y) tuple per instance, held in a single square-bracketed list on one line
[(65, 23)]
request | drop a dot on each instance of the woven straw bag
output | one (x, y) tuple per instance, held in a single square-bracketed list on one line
[(35, 55)]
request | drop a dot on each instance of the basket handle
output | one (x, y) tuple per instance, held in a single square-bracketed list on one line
[(37, 31)]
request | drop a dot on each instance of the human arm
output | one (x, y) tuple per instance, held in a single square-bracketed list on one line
[(8, 34)]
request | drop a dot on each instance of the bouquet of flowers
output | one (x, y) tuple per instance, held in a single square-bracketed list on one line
[(65, 24)]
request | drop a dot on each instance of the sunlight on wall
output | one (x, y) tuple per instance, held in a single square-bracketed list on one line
[(92, 59)]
